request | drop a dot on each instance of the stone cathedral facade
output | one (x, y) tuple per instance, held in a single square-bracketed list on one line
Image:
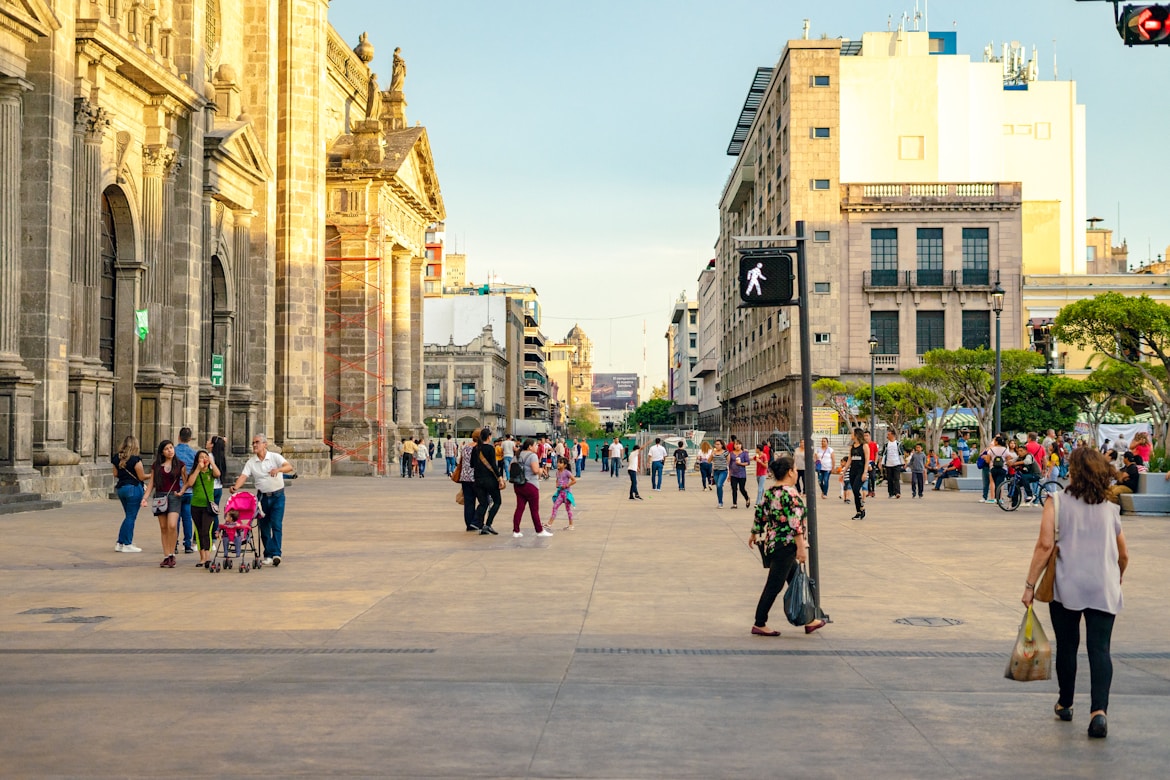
[(189, 165)]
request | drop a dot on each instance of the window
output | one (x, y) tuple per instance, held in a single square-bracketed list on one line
[(467, 395), (976, 329), (820, 235), (784, 141), (930, 257), (820, 338), (820, 184), (783, 90), (434, 394), (821, 288), (820, 132), (1091, 254), (820, 81), (432, 269), (883, 257), (694, 341), (693, 389), (430, 287), (931, 331), (975, 257), (884, 325), (693, 317)]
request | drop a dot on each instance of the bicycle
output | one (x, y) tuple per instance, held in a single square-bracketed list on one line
[(1010, 492)]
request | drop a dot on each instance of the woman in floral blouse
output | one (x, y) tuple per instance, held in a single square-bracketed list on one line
[(779, 530)]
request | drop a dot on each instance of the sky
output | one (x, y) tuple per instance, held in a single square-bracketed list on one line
[(581, 147)]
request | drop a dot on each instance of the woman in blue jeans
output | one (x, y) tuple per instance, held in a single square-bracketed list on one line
[(719, 461), (130, 488)]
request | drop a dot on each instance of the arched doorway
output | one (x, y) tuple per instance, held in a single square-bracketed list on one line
[(108, 290)]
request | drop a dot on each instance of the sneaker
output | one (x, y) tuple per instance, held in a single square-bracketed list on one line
[(275, 560), (129, 548), (118, 547), (571, 528), (517, 534), (170, 562), (545, 532), (188, 550), (267, 561)]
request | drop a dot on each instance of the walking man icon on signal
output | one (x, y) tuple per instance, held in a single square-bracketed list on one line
[(754, 276)]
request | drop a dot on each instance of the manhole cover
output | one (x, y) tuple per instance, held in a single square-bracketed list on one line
[(51, 611), (78, 619), (929, 622)]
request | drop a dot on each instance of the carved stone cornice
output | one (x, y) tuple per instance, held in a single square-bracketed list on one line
[(157, 160), (89, 120), (12, 88)]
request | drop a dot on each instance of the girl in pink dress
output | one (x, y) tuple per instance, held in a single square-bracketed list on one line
[(562, 496)]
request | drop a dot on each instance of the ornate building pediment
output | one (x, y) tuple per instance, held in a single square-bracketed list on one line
[(235, 163), (407, 166), (30, 19)]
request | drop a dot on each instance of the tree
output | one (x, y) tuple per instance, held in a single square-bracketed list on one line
[(835, 394), (586, 421), (656, 411), (1036, 402), (1110, 384), (659, 392), (967, 377), (896, 405), (931, 406), (1134, 330)]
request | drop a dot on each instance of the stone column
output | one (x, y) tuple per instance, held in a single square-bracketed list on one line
[(16, 382), (89, 125), (239, 374), (418, 388), (403, 373), (171, 293), (10, 157), (155, 161)]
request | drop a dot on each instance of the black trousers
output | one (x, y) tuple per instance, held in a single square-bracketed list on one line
[(1098, 633), (486, 493), (781, 572), (740, 484), (856, 483), (894, 480), (469, 499)]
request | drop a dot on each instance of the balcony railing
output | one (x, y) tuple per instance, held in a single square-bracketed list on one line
[(885, 362), (933, 278)]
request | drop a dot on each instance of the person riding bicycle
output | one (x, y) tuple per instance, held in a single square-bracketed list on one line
[(1027, 467)]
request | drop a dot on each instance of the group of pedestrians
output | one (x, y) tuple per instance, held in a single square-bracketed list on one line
[(482, 475), (183, 488)]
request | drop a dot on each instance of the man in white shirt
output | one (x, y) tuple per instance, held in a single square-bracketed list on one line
[(508, 447), (266, 470), (893, 459), (657, 455), (615, 456)]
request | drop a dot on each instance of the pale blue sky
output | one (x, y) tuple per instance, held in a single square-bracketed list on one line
[(581, 146)]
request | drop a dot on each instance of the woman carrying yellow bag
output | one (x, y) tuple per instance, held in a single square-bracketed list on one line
[(1089, 565)]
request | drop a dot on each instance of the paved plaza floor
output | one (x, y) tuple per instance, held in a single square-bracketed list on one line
[(391, 643)]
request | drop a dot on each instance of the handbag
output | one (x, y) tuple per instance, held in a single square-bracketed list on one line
[(459, 497), (211, 505), (1046, 585), (799, 607), (458, 472), (159, 504), (1031, 657)]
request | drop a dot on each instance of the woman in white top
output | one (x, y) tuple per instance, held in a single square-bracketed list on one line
[(823, 463), (1091, 560), (704, 459), (420, 458), (798, 458)]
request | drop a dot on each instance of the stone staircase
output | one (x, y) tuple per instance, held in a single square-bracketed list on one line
[(11, 503)]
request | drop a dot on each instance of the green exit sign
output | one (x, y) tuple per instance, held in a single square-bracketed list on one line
[(217, 370)]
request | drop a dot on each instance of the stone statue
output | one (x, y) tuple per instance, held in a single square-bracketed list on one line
[(398, 76), (373, 98)]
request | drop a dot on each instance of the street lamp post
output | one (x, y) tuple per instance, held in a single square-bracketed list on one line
[(873, 345), (997, 294)]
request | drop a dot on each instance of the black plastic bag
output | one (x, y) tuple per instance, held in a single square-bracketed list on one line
[(799, 607)]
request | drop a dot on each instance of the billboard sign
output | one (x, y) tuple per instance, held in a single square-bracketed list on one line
[(615, 392)]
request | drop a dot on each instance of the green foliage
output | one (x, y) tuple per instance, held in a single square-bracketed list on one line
[(586, 422), (1035, 402), (897, 404), (834, 394), (967, 377), (659, 393), (656, 411)]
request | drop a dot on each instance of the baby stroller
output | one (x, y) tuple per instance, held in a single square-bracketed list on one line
[(237, 535)]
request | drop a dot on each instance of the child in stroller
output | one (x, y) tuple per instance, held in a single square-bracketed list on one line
[(237, 530)]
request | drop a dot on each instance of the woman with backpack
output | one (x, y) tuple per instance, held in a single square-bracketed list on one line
[(525, 477), (996, 459)]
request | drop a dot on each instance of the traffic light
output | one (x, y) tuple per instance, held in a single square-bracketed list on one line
[(765, 276), (1143, 25)]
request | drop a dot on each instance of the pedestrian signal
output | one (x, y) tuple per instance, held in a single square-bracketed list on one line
[(1143, 25), (765, 276)]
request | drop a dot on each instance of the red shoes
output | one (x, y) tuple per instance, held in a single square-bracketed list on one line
[(763, 632)]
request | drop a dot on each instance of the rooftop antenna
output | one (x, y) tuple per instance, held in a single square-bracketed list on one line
[(806, 29), (1054, 71), (917, 16), (926, 14)]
